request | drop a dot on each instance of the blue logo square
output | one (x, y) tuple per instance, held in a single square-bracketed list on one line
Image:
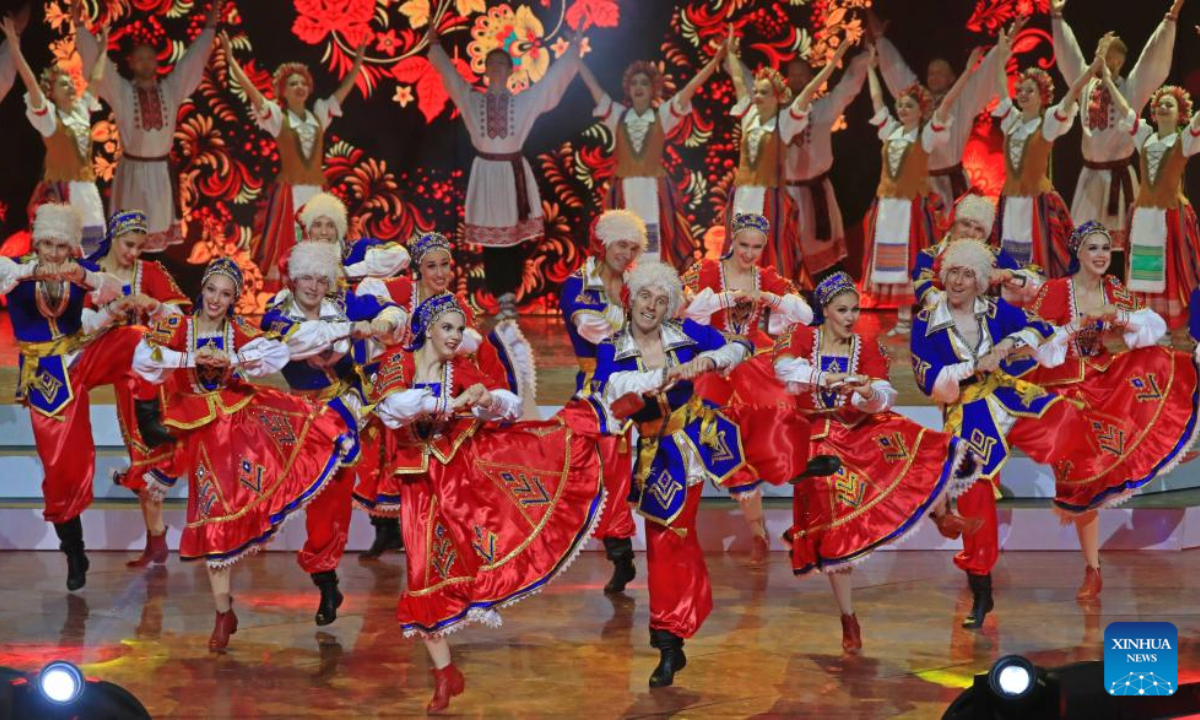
[(1141, 658)]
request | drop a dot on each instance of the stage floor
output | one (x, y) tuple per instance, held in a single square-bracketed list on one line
[(770, 648)]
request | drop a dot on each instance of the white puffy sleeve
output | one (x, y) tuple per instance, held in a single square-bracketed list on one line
[(326, 110), (1143, 328), (625, 382), (791, 310), (881, 399), (798, 374), (936, 134), (506, 407), (592, 326), (12, 272), (401, 408), (672, 112), (945, 388), (260, 357), (380, 262), (105, 287), (43, 119), (1058, 121), (609, 112), (1053, 352), (312, 337), (270, 118), (728, 356), (885, 123), (93, 321), (705, 304), (153, 362), (471, 341)]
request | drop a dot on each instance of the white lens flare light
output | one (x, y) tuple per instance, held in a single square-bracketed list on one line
[(60, 682), (1014, 680)]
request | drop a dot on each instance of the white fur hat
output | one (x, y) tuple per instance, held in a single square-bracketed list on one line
[(972, 255), (976, 208), (327, 206), (318, 259), (614, 225), (659, 276), (55, 221)]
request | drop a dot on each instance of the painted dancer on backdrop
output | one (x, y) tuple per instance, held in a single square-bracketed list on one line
[(809, 164), (146, 108), (1164, 241), (63, 117), (593, 309), (739, 297), (328, 332), (770, 119), (1147, 395), (1033, 222), (893, 470), (644, 374), (503, 206), (324, 219), (947, 177), (300, 137), (254, 456), (970, 354), (60, 363), (641, 125), (491, 514), (905, 216), (972, 220), (148, 294), (1105, 189), (504, 355)]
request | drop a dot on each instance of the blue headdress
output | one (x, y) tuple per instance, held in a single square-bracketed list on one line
[(226, 268), (426, 314), (121, 222), (423, 246), (827, 290), (746, 221), (1091, 227)]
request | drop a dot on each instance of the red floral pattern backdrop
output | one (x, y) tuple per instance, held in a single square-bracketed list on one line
[(225, 162)]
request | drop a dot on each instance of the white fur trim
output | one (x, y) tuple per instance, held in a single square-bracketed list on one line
[(976, 208), (973, 255), (327, 206), (56, 221), (615, 225), (315, 258)]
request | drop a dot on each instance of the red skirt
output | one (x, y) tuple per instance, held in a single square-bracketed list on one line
[(1052, 228), (502, 519), (774, 435), (677, 247), (893, 472), (1142, 412), (276, 234), (923, 231), (1182, 267), (252, 470), (376, 492)]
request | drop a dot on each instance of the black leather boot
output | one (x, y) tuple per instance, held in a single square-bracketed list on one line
[(982, 604), (331, 597), (387, 537), (70, 536), (818, 466), (149, 422), (671, 660), (620, 552)]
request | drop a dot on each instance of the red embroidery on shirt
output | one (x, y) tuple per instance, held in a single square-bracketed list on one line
[(1099, 107), (151, 114), (496, 110)]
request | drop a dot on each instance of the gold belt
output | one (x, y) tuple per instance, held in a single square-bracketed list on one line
[(987, 385), (652, 431), (35, 351)]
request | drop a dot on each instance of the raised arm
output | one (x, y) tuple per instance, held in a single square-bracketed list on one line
[(96, 76), (873, 81), (235, 71), (593, 85), (804, 100), (37, 100), (1070, 59), (189, 71), (1123, 107), (1153, 65), (347, 85), (458, 88), (733, 66), (1077, 87), (943, 111)]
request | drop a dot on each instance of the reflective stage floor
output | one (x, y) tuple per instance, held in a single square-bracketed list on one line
[(770, 649)]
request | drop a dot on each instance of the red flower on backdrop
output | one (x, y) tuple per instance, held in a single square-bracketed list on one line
[(387, 43), (431, 92), (991, 15), (321, 18), (154, 7), (585, 13)]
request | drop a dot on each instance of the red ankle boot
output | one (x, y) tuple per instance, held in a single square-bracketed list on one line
[(225, 626), (155, 552), (851, 634), (1092, 584), (448, 682)]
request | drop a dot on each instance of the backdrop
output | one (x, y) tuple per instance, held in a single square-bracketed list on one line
[(399, 155)]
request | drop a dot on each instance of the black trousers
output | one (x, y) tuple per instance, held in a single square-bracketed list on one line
[(503, 269)]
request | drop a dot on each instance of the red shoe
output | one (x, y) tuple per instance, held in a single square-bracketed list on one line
[(953, 525), (851, 634), (448, 682), (225, 626), (760, 551), (1092, 584), (155, 551)]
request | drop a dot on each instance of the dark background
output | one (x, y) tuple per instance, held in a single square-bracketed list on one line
[(401, 174)]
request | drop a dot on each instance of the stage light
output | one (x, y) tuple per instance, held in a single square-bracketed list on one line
[(1013, 678), (60, 682)]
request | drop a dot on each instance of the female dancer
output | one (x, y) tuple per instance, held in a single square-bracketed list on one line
[(1150, 391), (1034, 222), (904, 218), (253, 455), (644, 374), (148, 295), (1164, 258), (769, 120), (641, 125), (735, 295), (490, 514), (893, 470), (299, 134), (64, 120)]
